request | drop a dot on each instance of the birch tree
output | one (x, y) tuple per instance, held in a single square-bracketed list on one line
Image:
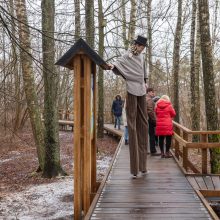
[(28, 78)]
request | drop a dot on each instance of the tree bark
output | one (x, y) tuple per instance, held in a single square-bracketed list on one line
[(28, 78), (124, 25), (133, 16), (52, 146), (149, 47), (100, 131), (77, 19), (17, 82), (208, 79), (176, 60), (90, 29), (195, 64)]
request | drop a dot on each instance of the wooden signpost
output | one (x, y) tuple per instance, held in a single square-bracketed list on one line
[(83, 60)]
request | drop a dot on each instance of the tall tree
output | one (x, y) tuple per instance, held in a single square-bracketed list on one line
[(149, 48), (208, 79), (28, 78), (17, 80), (176, 60), (52, 147), (90, 29), (195, 64), (100, 133), (133, 17), (77, 19), (124, 24)]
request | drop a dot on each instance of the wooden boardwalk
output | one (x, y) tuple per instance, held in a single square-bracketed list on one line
[(164, 193)]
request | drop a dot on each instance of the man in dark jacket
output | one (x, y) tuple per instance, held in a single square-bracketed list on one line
[(117, 110), (151, 120)]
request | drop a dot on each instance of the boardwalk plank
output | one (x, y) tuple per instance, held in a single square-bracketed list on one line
[(208, 181), (164, 193), (216, 182)]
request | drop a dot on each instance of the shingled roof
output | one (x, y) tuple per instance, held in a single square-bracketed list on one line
[(67, 59)]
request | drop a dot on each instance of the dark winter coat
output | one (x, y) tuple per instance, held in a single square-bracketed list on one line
[(117, 107), (164, 113)]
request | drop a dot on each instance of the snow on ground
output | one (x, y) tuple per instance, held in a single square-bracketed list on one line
[(45, 201)]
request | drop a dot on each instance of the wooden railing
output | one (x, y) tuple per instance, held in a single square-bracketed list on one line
[(65, 115), (187, 142)]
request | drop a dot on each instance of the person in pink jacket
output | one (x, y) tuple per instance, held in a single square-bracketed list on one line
[(164, 125)]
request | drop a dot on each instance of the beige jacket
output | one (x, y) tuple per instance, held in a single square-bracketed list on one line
[(133, 70)]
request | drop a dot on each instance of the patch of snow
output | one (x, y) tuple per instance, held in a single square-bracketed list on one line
[(43, 202), (46, 201)]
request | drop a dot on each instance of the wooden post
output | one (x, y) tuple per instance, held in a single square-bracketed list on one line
[(204, 138), (93, 135), (83, 60), (185, 151), (77, 140), (185, 158)]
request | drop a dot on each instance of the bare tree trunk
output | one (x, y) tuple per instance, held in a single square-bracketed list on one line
[(133, 15), (124, 25), (149, 48), (195, 63), (16, 74), (100, 133), (90, 29), (176, 60), (52, 146), (28, 78), (77, 19), (208, 79)]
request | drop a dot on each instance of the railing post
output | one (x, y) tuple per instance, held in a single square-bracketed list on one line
[(204, 138), (176, 144), (185, 158), (185, 151)]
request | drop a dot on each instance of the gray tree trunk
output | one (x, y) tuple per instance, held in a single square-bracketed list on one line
[(100, 133), (133, 17), (208, 79), (195, 67), (176, 60), (77, 19), (124, 24), (149, 48), (90, 29), (52, 147)]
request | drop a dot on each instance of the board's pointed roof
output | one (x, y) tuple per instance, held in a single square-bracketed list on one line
[(80, 46)]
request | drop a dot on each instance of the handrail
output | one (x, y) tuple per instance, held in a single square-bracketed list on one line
[(182, 143)]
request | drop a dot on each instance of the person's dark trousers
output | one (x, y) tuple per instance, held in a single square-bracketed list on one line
[(136, 113), (151, 129), (168, 143), (156, 140)]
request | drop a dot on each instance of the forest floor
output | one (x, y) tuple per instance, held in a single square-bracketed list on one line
[(24, 194)]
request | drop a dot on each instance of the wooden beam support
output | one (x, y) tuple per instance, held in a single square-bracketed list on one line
[(77, 141)]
